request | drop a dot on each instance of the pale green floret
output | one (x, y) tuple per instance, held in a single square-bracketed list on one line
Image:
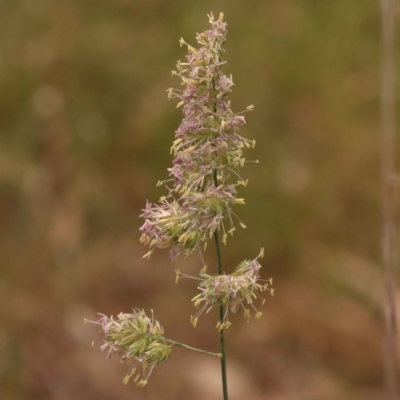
[(193, 321), (224, 325), (239, 201)]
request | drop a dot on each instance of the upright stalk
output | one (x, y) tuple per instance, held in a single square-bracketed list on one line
[(221, 314), (389, 257)]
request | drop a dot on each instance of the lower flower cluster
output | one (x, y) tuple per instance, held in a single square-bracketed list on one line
[(139, 342)]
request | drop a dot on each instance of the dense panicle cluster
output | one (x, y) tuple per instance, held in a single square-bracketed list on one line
[(232, 291), (138, 340), (207, 150)]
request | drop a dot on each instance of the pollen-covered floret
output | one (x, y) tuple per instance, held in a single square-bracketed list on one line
[(208, 152), (236, 290), (138, 341)]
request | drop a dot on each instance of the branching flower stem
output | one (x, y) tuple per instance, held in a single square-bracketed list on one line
[(221, 313), (219, 355), (155, 337)]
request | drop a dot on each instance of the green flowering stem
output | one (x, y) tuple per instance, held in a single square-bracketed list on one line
[(219, 355), (221, 313), (155, 337), (180, 344)]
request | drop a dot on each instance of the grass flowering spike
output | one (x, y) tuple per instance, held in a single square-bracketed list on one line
[(201, 193), (206, 143)]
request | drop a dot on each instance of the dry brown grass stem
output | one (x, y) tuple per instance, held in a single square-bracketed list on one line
[(389, 252)]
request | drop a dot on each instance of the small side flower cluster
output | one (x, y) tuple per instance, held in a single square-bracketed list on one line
[(139, 342), (208, 153), (231, 291)]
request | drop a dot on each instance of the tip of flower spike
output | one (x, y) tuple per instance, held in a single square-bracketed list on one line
[(221, 17), (250, 108), (182, 42), (261, 252)]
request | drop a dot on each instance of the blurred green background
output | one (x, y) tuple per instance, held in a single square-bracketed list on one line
[(85, 134)]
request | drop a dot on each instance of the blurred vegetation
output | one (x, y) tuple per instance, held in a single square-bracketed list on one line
[(85, 134)]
